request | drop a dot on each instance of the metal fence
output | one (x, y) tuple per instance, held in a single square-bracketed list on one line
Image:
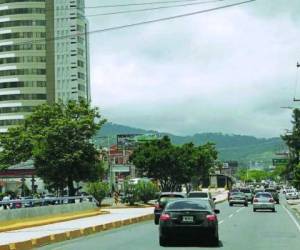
[(27, 202)]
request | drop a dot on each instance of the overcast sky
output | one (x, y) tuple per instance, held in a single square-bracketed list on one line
[(226, 71)]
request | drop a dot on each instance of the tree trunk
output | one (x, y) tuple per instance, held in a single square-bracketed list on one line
[(71, 189)]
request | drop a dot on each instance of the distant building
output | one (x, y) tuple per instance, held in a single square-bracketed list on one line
[(119, 161), (230, 168), (43, 55)]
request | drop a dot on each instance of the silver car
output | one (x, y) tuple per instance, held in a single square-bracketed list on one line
[(238, 198), (203, 196), (291, 194), (263, 201)]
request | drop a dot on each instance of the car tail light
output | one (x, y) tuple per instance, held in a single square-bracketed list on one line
[(165, 217), (211, 217), (271, 200), (255, 200)]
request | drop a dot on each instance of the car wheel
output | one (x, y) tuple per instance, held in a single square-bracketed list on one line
[(273, 210), (156, 220), (246, 204), (254, 209), (162, 241), (230, 204), (215, 239)]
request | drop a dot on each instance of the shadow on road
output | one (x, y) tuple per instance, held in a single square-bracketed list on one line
[(195, 244)]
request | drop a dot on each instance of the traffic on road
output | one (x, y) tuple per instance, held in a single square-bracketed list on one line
[(186, 222), (238, 228)]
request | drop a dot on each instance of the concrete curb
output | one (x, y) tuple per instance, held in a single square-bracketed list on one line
[(45, 222), (46, 240)]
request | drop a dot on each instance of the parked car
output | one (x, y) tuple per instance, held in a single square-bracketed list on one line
[(202, 195), (238, 198), (162, 201), (188, 219), (274, 193), (263, 201), (27, 201), (50, 199)]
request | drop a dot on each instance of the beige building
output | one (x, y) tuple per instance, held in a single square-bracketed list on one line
[(43, 55)]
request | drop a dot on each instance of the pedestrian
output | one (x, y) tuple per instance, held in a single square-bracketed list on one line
[(6, 199), (116, 197)]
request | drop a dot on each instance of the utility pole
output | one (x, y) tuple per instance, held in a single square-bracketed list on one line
[(295, 99)]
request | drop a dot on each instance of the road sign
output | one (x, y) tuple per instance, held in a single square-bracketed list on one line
[(280, 161)]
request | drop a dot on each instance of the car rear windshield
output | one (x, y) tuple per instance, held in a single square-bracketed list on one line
[(271, 190), (165, 199), (237, 194), (263, 195), (172, 196), (246, 190), (198, 195), (188, 205)]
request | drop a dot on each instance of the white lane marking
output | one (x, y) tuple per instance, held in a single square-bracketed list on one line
[(292, 217), (230, 215), (220, 222), (240, 209)]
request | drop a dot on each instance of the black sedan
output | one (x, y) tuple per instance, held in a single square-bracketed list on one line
[(187, 220), (163, 199)]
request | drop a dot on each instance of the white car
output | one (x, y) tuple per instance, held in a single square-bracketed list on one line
[(291, 194), (203, 196), (263, 201)]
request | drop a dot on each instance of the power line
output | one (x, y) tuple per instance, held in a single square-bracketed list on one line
[(149, 9), (170, 18), (134, 24), (140, 4)]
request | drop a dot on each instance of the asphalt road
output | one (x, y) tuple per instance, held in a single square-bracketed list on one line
[(239, 229)]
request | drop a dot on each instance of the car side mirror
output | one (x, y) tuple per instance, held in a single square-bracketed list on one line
[(214, 199), (217, 211)]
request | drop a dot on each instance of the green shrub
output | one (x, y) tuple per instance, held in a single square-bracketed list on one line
[(99, 190), (131, 195), (146, 191)]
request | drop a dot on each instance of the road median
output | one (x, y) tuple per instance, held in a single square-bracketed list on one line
[(69, 235), (46, 220)]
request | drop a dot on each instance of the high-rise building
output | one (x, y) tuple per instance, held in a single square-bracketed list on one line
[(43, 55)]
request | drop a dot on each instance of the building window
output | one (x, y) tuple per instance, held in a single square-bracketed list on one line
[(23, 97), (22, 84), (14, 72)]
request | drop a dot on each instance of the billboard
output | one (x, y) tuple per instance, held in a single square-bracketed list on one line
[(130, 141)]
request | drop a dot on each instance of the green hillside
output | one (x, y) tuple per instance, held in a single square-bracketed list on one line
[(231, 147)]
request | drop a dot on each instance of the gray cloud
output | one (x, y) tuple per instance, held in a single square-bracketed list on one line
[(228, 71)]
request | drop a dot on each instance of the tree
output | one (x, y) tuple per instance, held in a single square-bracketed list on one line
[(131, 193), (173, 165), (293, 142), (253, 175), (146, 191), (99, 190), (58, 139)]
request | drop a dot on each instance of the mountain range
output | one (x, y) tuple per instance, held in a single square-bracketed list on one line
[(241, 148)]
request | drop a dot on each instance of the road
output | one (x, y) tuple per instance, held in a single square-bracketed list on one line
[(239, 228)]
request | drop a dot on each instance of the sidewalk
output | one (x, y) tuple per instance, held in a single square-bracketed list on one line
[(114, 216), (295, 206)]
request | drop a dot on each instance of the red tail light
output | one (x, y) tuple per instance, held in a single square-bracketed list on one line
[(271, 200), (165, 217), (211, 217), (255, 200)]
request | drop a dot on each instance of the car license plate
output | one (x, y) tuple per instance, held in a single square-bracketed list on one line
[(188, 219)]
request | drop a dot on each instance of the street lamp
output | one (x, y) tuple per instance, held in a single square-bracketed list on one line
[(288, 107)]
